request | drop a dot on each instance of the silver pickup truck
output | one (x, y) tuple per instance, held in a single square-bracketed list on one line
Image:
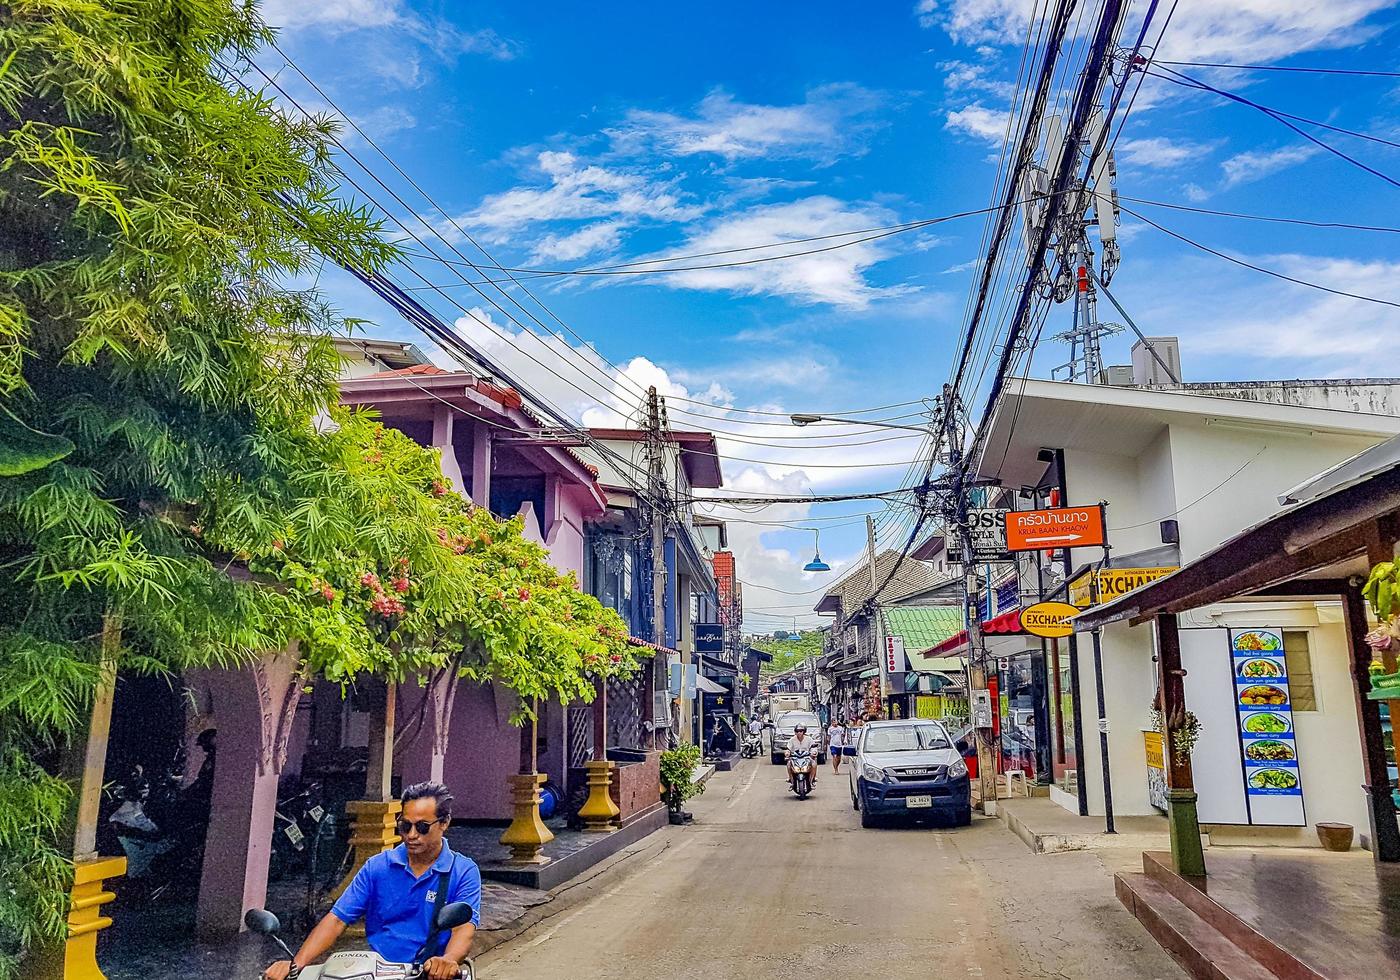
[(785, 725)]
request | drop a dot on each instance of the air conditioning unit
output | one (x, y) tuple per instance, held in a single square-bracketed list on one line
[(1117, 374)]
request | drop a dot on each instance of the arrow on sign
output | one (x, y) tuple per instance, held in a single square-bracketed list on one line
[(1054, 537)]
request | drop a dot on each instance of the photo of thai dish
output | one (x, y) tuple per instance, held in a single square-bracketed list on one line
[(1269, 750), (1263, 694), (1265, 723), (1258, 640), (1261, 668), (1274, 779)]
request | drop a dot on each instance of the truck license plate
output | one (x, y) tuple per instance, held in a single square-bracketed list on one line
[(918, 802)]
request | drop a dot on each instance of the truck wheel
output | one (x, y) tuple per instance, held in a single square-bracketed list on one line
[(867, 819), (963, 817)]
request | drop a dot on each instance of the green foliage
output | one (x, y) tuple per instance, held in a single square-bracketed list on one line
[(1382, 590), (677, 769), (182, 487), (788, 653)]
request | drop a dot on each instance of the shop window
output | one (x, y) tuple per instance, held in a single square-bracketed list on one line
[(1297, 657)]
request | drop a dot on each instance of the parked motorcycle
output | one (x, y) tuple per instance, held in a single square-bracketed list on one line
[(801, 781), (362, 964), (297, 825)]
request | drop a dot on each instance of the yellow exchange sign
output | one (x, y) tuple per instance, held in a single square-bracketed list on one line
[(1049, 619)]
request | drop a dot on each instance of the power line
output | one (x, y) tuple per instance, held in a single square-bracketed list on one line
[(1261, 217), (1259, 268), (1284, 68), (1283, 118)]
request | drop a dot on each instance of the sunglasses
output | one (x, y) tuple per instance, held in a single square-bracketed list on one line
[(422, 826)]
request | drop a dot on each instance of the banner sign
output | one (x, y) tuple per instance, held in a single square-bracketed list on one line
[(1049, 619), (894, 655), (1273, 786), (986, 527), (1057, 527), (1108, 584)]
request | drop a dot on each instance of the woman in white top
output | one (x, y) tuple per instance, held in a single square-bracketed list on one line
[(835, 743)]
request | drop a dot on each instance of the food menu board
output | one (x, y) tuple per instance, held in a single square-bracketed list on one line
[(1268, 747)]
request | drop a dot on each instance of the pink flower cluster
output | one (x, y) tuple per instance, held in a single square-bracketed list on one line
[(1381, 639)]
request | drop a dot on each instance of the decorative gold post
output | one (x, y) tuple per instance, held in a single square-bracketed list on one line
[(85, 918), (527, 834), (599, 812)]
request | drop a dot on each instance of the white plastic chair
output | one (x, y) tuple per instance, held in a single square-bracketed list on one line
[(1011, 776)]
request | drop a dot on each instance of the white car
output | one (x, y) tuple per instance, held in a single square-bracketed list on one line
[(784, 727)]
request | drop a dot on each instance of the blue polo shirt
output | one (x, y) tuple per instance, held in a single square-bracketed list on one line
[(398, 908)]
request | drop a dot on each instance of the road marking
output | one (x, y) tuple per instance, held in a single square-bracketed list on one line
[(737, 796)]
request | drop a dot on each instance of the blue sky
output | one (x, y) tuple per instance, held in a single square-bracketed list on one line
[(563, 136)]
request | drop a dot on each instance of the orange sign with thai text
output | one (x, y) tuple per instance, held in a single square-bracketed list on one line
[(1058, 527)]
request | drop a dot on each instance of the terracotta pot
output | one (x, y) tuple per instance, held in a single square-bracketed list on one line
[(1335, 836)]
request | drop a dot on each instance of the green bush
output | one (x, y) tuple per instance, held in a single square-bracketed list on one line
[(677, 768)]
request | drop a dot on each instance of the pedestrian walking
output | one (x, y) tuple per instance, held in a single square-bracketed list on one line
[(836, 744)]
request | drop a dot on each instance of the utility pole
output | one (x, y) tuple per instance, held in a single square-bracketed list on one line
[(977, 654), (877, 625), (656, 490)]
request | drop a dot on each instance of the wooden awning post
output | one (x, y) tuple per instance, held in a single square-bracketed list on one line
[(1188, 858), (1380, 808)]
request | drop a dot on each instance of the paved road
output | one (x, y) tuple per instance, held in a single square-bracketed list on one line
[(765, 886)]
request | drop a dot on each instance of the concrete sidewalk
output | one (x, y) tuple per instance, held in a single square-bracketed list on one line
[(1048, 828)]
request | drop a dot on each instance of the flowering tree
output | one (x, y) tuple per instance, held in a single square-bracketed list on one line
[(170, 495)]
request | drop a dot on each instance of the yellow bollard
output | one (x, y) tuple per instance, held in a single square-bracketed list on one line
[(527, 834), (85, 918), (599, 812)]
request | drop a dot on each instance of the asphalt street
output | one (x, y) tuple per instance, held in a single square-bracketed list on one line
[(764, 885)]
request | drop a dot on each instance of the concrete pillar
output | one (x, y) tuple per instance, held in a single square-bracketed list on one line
[(254, 709), (1188, 859), (444, 419), (481, 465)]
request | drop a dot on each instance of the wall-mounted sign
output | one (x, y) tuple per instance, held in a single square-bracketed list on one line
[(894, 654), (1057, 527), (1049, 619), (1273, 786), (709, 638), (1108, 584), (986, 528)]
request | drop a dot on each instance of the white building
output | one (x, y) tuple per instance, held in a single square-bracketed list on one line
[(1212, 458)]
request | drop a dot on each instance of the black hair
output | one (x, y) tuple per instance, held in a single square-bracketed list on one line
[(437, 792)]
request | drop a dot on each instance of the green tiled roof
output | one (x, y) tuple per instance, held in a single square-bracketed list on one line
[(923, 626)]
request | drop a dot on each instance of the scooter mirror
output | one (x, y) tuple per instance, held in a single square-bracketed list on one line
[(453, 915), (261, 920)]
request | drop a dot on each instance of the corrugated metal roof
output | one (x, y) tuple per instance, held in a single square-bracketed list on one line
[(922, 627)]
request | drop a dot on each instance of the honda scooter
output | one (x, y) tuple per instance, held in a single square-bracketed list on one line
[(753, 745), (801, 781), (363, 964)]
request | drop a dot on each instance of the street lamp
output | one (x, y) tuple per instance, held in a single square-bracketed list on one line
[(816, 564), (804, 418)]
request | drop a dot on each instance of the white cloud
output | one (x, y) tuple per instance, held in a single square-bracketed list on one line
[(601, 236), (341, 16), (926, 11), (1200, 30), (1160, 153), (965, 76), (835, 277), (1243, 168), (823, 127), (573, 190), (979, 122)]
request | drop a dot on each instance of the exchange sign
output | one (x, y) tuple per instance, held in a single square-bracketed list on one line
[(1049, 619), (1057, 527), (1107, 584)]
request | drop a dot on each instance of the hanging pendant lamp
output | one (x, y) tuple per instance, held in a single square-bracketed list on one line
[(816, 564)]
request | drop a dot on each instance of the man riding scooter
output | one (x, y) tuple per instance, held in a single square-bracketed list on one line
[(800, 746), (396, 893)]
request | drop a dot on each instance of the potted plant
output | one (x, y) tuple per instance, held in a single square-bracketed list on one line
[(677, 779), (1382, 591)]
